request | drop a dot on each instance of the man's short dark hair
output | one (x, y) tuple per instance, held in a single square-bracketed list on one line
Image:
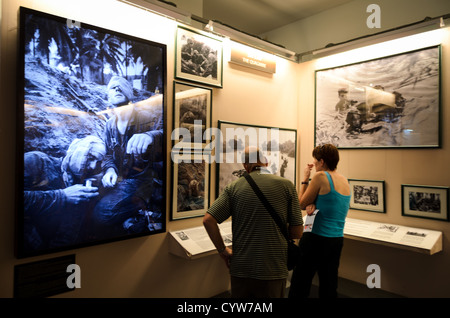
[(253, 155)]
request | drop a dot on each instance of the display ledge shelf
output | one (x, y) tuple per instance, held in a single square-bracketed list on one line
[(193, 243), (398, 236)]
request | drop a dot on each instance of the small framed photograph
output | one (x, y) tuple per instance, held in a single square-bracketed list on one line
[(428, 202), (367, 195), (191, 116), (198, 57), (190, 189)]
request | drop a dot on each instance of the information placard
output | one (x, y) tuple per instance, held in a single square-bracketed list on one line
[(253, 59), (393, 235), (195, 242), (421, 240)]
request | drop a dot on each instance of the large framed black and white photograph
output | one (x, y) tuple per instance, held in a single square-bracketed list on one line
[(91, 135), (429, 202), (198, 57), (190, 184), (390, 102), (277, 144), (367, 195), (192, 116)]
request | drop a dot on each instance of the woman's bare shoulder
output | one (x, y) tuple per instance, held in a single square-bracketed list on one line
[(320, 177), (342, 185), (319, 174)]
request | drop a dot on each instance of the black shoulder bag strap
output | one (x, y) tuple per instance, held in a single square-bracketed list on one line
[(266, 203)]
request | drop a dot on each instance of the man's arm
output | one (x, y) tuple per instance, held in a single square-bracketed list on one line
[(295, 232), (210, 224)]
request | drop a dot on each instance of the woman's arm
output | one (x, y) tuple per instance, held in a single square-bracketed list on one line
[(309, 189), (308, 192)]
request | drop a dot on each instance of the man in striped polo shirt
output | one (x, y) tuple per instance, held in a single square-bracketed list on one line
[(258, 260)]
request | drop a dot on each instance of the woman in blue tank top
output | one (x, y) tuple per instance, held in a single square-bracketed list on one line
[(321, 246)]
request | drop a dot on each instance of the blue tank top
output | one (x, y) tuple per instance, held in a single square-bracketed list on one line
[(333, 208)]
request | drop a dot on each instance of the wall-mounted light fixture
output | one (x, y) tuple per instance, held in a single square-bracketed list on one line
[(250, 40), (161, 8)]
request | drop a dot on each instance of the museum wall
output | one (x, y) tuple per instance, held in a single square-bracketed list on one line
[(407, 273), (138, 267)]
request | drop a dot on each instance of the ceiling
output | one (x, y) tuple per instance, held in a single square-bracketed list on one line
[(260, 16)]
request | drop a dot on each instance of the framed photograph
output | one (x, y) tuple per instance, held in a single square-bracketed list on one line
[(367, 195), (198, 57), (390, 102), (91, 135), (278, 144), (190, 189), (192, 116), (428, 202)]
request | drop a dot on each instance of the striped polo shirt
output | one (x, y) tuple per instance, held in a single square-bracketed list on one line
[(259, 248)]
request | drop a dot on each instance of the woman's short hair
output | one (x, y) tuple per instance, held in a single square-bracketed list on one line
[(329, 153)]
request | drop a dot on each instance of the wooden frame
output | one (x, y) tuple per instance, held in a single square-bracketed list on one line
[(190, 185), (367, 195), (191, 116), (198, 57), (429, 202)]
